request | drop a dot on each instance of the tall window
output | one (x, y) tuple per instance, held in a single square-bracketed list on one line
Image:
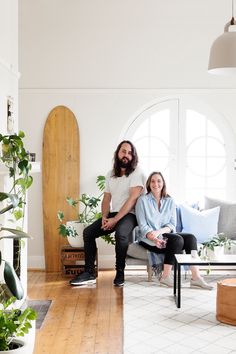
[(187, 145)]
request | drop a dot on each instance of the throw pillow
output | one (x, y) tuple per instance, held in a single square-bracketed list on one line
[(202, 224), (227, 218), (179, 224)]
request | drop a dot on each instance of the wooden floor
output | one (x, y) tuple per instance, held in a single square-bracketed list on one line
[(81, 319)]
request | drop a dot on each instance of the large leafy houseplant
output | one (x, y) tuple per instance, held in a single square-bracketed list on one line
[(89, 212), (16, 159), (14, 323)]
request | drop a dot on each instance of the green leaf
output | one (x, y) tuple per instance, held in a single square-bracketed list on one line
[(17, 233), (13, 198), (21, 134), (101, 182), (71, 201), (18, 214), (62, 230), (13, 281), (60, 215)]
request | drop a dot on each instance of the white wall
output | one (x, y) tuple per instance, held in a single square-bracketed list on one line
[(106, 60), (8, 60)]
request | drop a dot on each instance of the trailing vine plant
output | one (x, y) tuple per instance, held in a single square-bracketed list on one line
[(15, 157)]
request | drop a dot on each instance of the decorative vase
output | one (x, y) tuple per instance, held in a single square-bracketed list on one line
[(216, 254), (76, 241)]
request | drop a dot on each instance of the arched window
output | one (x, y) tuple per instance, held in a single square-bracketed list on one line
[(188, 143)]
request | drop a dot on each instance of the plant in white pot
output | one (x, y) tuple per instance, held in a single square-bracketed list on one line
[(73, 230), (215, 247), (14, 321), (15, 324)]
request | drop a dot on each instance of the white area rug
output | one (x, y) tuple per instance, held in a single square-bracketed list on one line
[(153, 324)]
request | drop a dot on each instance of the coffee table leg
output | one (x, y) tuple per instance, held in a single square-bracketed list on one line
[(175, 278), (179, 286)]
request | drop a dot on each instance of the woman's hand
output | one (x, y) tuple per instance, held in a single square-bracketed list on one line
[(152, 235)]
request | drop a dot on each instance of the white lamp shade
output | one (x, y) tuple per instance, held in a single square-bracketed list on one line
[(222, 59)]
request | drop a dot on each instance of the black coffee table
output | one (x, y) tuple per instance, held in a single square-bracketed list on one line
[(187, 259)]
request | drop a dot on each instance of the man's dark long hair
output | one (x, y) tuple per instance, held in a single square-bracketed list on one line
[(131, 167)]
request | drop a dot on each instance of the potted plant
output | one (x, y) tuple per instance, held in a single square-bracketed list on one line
[(16, 159), (15, 323), (73, 230), (215, 247)]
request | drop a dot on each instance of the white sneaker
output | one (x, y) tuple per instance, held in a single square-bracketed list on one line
[(167, 281), (200, 283)]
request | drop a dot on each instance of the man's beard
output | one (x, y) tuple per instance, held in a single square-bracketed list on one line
[(124, 163)]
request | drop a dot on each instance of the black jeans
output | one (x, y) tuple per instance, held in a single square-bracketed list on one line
[(123, 231), (176, 243)]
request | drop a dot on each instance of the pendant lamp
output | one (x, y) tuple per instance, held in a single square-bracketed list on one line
[(222, 59)]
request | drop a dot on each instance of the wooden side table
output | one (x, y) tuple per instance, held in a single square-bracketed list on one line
[(225, 301), (72, 261)]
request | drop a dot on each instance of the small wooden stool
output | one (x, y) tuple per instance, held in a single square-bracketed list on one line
[(226, 301)]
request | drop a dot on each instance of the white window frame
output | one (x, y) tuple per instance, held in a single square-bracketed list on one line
[(178, 106)]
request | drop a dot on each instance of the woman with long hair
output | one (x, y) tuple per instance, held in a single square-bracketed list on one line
[(156, 217)]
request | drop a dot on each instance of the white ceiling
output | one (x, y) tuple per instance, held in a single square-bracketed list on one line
[(120, 43)]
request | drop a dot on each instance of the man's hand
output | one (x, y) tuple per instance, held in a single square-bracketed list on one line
[(108, 223)]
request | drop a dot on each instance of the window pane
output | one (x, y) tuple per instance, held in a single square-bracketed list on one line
[(195, 125), (143, 130), (160, 125), (215, 147), (197, 147), (158, 147), (217, 181), (214, 131), (142, 146)]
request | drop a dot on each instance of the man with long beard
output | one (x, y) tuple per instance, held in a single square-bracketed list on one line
[(124, 184)]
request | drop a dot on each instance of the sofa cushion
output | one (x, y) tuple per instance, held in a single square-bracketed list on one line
[(202, 224), (227, 218), (137, 251)]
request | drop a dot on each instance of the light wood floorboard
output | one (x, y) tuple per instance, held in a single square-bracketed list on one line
[(81, 320)]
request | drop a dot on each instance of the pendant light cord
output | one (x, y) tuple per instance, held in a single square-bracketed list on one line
[(232, 22)]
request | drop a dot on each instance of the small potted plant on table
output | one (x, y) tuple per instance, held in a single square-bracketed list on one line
[(215, 247)]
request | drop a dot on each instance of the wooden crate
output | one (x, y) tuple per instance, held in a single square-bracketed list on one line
[(72, 270), (72, 261)]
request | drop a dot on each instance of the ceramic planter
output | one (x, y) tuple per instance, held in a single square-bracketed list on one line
[(78, 240), (216, 254), (26, 343)]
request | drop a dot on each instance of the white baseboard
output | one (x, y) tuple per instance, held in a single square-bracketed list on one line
[(36, 262), (104, 262)]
